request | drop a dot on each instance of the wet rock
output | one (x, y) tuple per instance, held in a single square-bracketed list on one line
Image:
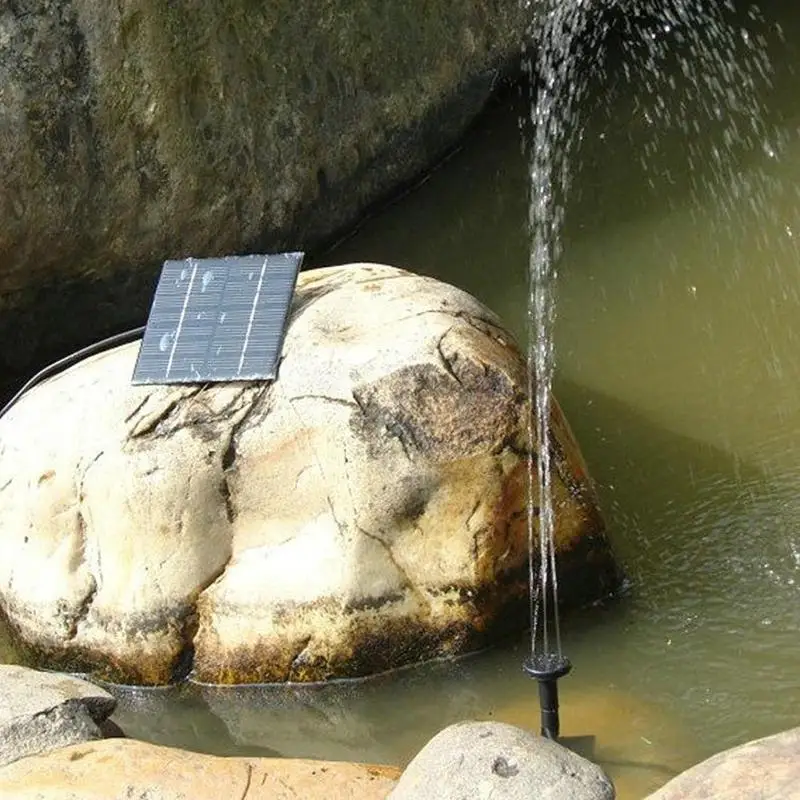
[(366, 511), (492, 759), (764, 768), (138, 131), (42, 711), (127, 768)]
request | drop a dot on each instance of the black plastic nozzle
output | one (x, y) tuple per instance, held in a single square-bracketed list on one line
[(547, 668)]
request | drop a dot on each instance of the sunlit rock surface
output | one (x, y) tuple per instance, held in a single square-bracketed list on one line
[(768, 768), (364, 512), (137, 131), (127, 768)]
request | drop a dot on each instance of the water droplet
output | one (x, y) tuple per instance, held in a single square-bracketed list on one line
[(208, 276), (165, 341), (222, 318)]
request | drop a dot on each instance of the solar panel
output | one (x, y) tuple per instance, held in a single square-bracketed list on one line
[(218, 319)]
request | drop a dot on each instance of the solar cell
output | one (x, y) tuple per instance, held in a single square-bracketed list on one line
[(218, 319)]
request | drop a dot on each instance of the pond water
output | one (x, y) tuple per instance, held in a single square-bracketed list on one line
[(678, 367)]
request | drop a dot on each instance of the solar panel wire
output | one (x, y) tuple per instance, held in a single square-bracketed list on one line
[(73, 358)]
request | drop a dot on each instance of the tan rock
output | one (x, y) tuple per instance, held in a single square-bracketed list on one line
[(366, 511), (764, 768), (124, 768)]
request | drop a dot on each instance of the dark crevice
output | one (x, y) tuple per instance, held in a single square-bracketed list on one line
[(229, 454), (82, 611), (407, 582), (403, 433), (359, 401), (138, 408), (152, 424), (427, 312), (305, 298), (373, 603), (447, 362), (473, 512), (185, 662), (225, 493), (338, 522), (337, 400), (510, 444), (182, 667), (293, 664), (379, 278), (247, 783)]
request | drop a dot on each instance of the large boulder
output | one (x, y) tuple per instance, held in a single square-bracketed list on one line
[(764, 768), (140, 130), (367, 510), (41, 711), (496, 761), (127, 768)]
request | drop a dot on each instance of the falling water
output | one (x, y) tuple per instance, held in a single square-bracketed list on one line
[(724, 70), (551, 77)]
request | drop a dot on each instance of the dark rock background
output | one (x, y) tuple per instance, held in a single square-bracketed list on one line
[(141, 130)]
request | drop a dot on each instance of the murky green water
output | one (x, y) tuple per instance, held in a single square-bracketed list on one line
[(679, 370)]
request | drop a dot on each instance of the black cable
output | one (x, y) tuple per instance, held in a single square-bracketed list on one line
[(74, 358)]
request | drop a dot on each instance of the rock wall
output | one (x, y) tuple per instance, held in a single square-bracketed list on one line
[(142, 130)]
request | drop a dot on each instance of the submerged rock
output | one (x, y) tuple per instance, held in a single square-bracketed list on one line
[(42, 711), (137, 131), (499, 761), (763, 768), (127, 768), (365, 511)]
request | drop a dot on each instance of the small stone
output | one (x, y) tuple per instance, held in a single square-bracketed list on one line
[(498, 761), (42, 711)]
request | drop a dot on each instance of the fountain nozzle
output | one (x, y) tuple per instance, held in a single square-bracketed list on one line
[(547, 668)]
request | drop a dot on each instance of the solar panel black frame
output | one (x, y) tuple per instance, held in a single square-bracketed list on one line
[(218, 319)]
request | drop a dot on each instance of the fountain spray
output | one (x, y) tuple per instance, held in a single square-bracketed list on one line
[(555, 91)]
